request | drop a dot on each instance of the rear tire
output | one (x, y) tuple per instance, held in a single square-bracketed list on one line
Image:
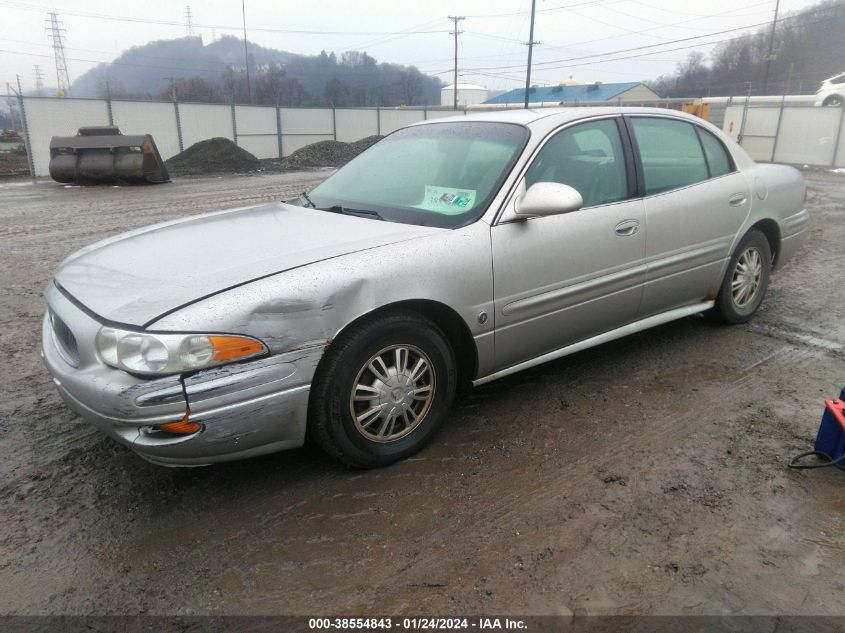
[(833, 101), (746, 279), (382, 390)]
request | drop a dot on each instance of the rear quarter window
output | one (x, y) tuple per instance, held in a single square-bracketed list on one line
[(717, 156)]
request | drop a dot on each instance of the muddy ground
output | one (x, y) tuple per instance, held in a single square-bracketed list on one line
[(644, 476)]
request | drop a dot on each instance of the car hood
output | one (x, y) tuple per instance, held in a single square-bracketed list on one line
[(137, 277)]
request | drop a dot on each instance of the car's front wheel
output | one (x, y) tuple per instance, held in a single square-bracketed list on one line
[(746, 279), (382, 390)]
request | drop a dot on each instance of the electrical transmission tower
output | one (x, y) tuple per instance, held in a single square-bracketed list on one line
[(189, 21), (39, 79), (56, 32)]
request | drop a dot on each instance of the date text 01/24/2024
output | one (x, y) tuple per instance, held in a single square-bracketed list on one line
[(421, 623)]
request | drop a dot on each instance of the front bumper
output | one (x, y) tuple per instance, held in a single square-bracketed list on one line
[(244, 409)]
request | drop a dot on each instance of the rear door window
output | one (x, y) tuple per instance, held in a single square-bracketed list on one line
[(670, 153)]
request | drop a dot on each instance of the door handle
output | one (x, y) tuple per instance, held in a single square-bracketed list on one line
[(737, 200), (627, 228)]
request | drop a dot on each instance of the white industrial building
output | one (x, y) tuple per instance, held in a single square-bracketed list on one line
[(468, 94)]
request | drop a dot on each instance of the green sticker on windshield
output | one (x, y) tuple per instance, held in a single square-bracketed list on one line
[(447, 200)]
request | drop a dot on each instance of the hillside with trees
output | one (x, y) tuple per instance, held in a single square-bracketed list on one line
[(216, 73), (809, 46)]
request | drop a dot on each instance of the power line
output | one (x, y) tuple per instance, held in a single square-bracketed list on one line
[(548, 10), (656, 28), (668, 50), (223, 27), (414, 30), (639, 48)]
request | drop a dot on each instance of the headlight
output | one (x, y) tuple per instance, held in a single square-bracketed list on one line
[(159, 354)]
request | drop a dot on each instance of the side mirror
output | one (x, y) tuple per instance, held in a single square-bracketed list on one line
[(547, 198)]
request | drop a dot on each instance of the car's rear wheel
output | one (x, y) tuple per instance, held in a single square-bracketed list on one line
[(746, 279), (834, 101), (382, 390)]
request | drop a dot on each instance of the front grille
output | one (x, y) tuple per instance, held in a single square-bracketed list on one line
[(65, 340)]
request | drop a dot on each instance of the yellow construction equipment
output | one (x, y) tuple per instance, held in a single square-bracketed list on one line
[(698, 108)]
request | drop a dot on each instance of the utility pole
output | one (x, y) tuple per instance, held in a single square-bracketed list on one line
[(456, 32), (39, 79), (246, 53), (771, 48), (56, 32), (531, 43)]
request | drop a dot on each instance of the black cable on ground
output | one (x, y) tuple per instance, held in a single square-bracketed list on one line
[(826, 463)]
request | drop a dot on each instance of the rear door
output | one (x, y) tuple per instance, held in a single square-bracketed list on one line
[(562, 278), (695, 202)]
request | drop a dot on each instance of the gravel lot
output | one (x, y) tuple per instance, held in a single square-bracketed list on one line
[(645, 476)]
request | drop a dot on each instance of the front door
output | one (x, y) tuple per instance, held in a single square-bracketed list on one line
[(562, 278)]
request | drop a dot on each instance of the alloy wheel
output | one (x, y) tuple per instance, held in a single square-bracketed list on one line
[(747, 275), (392, 393)]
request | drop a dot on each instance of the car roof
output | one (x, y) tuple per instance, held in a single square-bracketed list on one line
[(556, 115), (544, 120)]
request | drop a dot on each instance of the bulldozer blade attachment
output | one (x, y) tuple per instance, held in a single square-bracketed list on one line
[(99, 155)]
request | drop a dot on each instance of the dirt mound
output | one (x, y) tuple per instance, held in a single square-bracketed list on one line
[(327, 153), (13, 164), (212, 156)]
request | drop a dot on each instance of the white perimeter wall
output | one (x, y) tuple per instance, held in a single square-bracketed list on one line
[(260, 130), (257, 131), (47, 118), (158, 119), (805, 135)]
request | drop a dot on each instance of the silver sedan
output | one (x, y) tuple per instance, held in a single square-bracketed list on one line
[(457, 249)]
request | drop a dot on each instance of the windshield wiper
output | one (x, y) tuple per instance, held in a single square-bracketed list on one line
[(368, 213), (305, 197)]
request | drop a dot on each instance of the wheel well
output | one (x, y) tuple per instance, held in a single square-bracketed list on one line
[(771, 230), (452, 325), (832, 98)]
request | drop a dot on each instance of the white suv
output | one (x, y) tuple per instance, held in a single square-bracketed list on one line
[(831, 92)]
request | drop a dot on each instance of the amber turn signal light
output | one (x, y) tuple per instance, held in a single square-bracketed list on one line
[(232, 347), (182, 427)]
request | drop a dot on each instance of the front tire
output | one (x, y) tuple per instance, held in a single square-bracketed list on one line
[(382, 390), (746, 279)]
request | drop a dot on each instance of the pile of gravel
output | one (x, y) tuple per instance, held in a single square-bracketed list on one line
[(13, 164), (327, 153), (212, 156)]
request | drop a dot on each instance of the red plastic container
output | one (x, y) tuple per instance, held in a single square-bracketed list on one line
[(831, 437)]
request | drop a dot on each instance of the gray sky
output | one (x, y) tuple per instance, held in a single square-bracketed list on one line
[(491, 50)]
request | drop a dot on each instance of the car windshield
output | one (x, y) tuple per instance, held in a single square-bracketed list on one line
[(441, 174)]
